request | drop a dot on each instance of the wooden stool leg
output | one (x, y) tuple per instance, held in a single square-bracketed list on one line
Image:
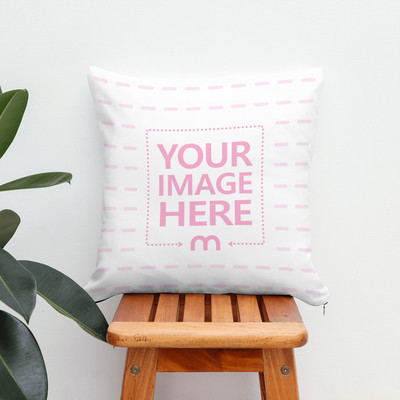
[(262, 386), (139, 382), (280, 374)]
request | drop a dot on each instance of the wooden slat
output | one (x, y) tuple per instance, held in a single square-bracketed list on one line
[(194, 308), (140, 386), (167, 310), (210, 360), (207, 334), (221, 308), (278, 385), (248, 308), (134, 307), (281, 309)]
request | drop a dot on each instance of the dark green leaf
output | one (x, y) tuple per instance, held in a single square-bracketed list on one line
[(37, 181), (68, 298), (22, 371), (17, 286), (12, 108), (9, 221)]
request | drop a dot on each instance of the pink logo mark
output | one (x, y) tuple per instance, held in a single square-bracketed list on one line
[(205, 241)]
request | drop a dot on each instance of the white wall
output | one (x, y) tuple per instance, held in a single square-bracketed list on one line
[(46, 47)]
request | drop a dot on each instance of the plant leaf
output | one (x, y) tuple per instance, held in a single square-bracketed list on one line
[(9, 221), (37, 181), (68, 298), (17, 286), (22, 371), (12, 108)]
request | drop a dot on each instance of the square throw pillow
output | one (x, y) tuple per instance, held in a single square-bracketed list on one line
[(206, 185)]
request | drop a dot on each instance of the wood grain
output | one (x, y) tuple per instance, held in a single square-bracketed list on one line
[(281, 309), (248, 308), (167, 309), (221, 308), (210, 360), (194, 310), (134, 307), (278, 385), (207, 334), (140, 386), (218, 333)]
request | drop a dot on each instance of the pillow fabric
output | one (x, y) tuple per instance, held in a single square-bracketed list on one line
[(206, 185)]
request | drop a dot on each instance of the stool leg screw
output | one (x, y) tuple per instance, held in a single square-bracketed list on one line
[(135, 370), (285, 370)]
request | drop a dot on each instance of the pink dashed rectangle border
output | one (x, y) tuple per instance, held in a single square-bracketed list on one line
[(216, 130)]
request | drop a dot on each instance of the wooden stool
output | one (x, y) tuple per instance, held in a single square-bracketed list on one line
[(208, 333)]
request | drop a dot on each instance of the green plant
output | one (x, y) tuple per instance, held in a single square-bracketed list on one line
[(22, 369)]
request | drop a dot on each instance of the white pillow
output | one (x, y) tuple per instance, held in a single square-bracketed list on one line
[(206, 185)]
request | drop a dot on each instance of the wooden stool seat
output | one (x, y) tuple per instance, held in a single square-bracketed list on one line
[(209, 333)]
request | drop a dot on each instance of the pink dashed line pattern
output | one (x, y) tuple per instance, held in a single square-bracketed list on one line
[(124, 268), (100, 79), (282, 248), (283, 146), (238, 85), (128, 126), (123, 84)]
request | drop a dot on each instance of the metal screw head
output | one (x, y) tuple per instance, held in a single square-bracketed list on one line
[(135, 370), (285, 370)]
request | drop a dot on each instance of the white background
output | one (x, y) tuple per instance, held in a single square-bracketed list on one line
[(46, 46)]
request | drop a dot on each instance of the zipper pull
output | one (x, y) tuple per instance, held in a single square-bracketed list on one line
[(323, 310)]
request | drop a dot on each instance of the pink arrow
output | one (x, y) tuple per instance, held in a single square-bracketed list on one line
[(246, 243), (179, 244)]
